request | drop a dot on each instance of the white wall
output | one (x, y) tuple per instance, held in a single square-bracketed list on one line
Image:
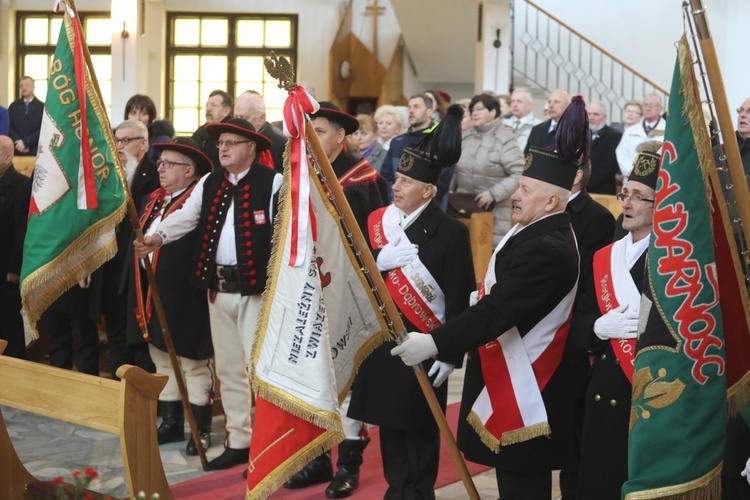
[(642, 33)]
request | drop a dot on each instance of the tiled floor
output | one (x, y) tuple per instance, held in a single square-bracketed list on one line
[(49, 448)]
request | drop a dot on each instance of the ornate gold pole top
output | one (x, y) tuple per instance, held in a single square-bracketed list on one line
[(281, 69)]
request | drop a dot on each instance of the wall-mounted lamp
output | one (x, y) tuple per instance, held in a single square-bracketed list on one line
[(125, 33), (497, 42)]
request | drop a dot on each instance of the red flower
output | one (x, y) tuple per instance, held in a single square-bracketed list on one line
[(77, 473), (91, 473), (58, 481), (88, 496)]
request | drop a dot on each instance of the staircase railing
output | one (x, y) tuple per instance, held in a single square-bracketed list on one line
[(549, 54)]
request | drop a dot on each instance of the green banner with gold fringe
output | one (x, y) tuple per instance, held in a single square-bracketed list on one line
[(678, 414), (77, 195)]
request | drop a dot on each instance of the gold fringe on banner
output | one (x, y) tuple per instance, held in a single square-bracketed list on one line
[(511, 437), (708, 486)]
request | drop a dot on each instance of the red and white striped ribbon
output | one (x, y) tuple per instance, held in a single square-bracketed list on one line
[(297, 104)]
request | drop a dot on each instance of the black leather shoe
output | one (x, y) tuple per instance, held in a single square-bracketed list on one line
[(318, 470), (229, 459), (203, 416), (344, 484)]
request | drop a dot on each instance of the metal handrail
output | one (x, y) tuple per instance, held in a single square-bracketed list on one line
[(551, 54)]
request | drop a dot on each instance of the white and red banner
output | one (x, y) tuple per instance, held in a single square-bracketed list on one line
[(614, 287), (319, 322), (414, 290), (510, 408)]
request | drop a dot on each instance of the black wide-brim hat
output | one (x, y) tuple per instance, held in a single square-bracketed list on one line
[(329, 110), (189, 148), (240, 127)]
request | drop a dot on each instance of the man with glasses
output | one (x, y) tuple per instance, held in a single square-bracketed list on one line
[(131, 138), (180, 166), (651, 126), (233, 208), (522, 119), (218, 110), (605, 323)]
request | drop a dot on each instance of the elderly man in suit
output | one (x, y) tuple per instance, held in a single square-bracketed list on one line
[(604, 141), (543, 135)]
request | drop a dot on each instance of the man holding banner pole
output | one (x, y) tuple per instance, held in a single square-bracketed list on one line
[(233, 208), (425, 256), (517, 409)]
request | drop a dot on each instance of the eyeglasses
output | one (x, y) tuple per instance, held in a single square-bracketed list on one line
[(651, 105), (126, 140), (743, 110), (634, 198), (635, 111), (477, 108), (229, 144), (166, 164)]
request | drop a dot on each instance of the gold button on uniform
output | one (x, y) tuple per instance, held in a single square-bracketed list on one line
[(613, 403), (603, 357), (617, 360), (597, 398)]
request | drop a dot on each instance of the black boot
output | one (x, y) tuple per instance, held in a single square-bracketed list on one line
[(230, 458), (203, 416), (347, 477), (318, 470), (172, 428)]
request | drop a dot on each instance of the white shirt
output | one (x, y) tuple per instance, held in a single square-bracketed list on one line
[(186, 219), (634, 250)]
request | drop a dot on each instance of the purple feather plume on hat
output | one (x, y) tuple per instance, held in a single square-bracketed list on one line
[(572, 136)]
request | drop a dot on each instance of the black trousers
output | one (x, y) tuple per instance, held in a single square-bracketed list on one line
[(11, 322), (524, 486), (410, 463), (64, 330)]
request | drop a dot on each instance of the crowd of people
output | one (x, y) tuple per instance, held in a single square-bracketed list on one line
[(207, 205)]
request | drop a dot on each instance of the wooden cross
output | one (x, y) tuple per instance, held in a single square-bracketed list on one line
[(375, 11)]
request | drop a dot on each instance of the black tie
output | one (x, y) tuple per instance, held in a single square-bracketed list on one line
[(26, 104)]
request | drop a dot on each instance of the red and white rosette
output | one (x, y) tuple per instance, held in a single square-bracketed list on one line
[(296, 106)]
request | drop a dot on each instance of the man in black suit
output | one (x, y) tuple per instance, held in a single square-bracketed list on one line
[(250, 106), (605, 323), (218, 110), (543, 135), (414, 243), (604, 141), (516, 333), (131, 139), (15, 192), (25, 119)]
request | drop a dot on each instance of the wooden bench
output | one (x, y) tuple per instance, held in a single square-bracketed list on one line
[(480, 233), (24, 164), (126, 408), (609, 201)]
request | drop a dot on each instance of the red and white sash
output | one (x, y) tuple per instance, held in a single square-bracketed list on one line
[(516, 368), (414, 290), (614, 287)]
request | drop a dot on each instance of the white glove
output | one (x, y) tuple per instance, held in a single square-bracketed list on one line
[(619, 323), (473, 298), (396, 254), (415, 349), (746, 471), (443, 370)]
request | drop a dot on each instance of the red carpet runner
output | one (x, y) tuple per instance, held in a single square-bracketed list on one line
[(229, 484)]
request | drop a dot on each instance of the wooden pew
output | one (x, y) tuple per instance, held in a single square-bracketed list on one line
[(610, 203), (126, 408), (480, 233), (24, 164)]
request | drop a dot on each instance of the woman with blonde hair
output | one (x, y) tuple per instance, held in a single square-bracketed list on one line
[(365, 137), (390, 123)]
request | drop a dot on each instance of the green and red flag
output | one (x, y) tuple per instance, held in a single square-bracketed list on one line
[(682, 370), (77, 189)]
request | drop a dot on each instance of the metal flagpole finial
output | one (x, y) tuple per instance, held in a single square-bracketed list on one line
[(281, 69)]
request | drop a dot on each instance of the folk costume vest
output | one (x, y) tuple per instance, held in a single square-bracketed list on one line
[(614, 287), (158, 208), (414, 290), (253, 226), (516, 368)]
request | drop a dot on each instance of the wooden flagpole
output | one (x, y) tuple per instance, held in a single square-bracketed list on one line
[(134, 221), (729, 139), (391, 312)]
